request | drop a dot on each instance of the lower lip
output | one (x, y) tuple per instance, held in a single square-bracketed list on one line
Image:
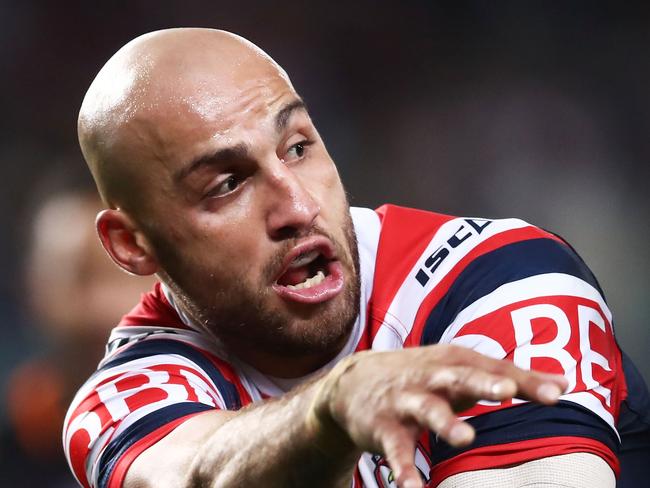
[(331, 286)]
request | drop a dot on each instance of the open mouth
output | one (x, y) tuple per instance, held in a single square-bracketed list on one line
[(311, 273), (305, 271)]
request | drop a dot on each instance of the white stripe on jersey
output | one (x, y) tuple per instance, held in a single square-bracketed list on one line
[(92, 461), (548, 284), (480, 343), (135, 333), (366, 467), (400, 316)]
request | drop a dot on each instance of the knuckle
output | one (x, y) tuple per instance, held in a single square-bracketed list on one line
[(506, 368), (423, 405), (382, 434), (438, 415), (463, 379)]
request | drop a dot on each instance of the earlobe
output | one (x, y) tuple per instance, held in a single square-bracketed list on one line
[(124, 244)]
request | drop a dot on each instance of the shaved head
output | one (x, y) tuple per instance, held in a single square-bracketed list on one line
[(152, 78)]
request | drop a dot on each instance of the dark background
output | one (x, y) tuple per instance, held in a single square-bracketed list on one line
[(536, 109)]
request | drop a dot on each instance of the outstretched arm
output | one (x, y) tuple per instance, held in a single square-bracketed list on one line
[(371, 401)]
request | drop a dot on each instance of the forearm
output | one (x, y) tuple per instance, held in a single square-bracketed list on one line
[(276, 442), (372, 401)]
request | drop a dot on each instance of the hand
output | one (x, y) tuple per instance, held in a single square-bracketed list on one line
[(381, 401)]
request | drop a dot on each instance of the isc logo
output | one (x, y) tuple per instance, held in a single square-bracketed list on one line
[(472, 227)]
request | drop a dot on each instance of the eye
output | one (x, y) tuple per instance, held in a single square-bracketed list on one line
[(230, 184), (297, 151)]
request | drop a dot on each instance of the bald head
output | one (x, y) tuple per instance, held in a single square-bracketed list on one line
[(159, 85)]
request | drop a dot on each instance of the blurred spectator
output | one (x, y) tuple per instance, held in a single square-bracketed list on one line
[(76, 295)]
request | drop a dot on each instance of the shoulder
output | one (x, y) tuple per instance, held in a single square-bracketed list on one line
[(423, 248), (513, 291), (428, 262), (157, 373), (140, 392)]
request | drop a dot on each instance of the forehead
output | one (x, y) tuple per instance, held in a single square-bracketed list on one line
[(225, 104), (201, 109)]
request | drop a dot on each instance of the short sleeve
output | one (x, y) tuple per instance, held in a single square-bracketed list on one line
[(533, 302), (140, 395)]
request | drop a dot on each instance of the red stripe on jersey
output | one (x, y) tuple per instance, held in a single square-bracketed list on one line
[(79, 444), (125, 461), (485, 247), (505, 455), (90, 403), (357, 481), (396, 256), (78, 452), (153, 310)]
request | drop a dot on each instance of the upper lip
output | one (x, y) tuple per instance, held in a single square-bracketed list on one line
[(320, 244)]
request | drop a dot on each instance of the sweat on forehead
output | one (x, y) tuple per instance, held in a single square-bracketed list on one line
[(153, 78)]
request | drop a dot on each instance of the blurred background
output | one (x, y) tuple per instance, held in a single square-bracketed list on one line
[(533, 109)]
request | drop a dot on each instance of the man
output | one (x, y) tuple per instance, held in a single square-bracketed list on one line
[(216, 180)]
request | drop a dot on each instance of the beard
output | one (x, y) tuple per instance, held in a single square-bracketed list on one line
[(238, 313)]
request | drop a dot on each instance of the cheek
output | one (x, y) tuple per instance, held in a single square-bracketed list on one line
[(329, 189), (230, 241)]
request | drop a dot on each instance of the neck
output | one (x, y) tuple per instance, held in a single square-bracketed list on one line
[(282, 366), (268, 363)]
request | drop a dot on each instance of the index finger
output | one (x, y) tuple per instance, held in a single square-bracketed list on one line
[(531, 385)]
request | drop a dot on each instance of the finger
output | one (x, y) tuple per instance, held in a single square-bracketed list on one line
[(435, 413), (530, 385), (468, 384), (398, 444), (533, 385), (542, 387)]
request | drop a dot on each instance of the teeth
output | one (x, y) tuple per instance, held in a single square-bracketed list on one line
[(304, 259), (309, 282)]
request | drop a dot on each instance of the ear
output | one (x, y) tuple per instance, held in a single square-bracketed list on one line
[(125, 243)]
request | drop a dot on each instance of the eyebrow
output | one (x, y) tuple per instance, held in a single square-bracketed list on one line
[(219, 157), (241, 150), (283, 116)]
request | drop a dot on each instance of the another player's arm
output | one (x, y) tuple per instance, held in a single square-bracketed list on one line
[(372, 401)]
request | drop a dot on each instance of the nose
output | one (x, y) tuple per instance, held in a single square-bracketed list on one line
[(291, 209)]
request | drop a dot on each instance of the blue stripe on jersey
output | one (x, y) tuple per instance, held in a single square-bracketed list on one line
[(634, 428), (146, 425), (508, 263), (152, 347), (529, 421), (638, 398)]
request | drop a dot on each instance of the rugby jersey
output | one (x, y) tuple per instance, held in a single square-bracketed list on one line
[(503, 287)]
